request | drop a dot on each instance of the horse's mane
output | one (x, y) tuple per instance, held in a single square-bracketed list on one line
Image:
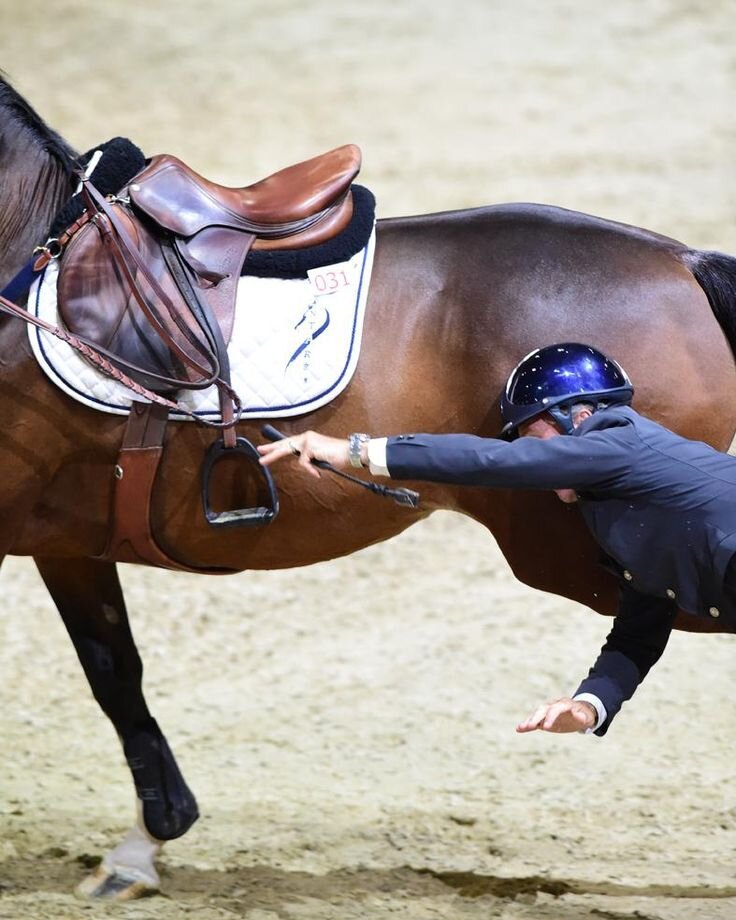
[(19, 112)]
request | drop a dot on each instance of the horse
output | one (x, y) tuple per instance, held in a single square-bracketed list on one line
[(456, 299)]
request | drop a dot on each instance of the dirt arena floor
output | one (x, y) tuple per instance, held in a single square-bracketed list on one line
[(348, 728)]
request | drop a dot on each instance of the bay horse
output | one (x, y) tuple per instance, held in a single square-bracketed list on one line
[(456, 299)]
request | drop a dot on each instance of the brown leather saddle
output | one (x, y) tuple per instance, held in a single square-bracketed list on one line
[(148, 278), (152, 275)]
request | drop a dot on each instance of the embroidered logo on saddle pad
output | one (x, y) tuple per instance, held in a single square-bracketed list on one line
[(294, 347)]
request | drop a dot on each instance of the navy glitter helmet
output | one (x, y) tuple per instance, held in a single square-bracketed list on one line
[(554, 378)]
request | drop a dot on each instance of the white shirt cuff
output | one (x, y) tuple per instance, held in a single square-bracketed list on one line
[(377, 456), (599, 708)]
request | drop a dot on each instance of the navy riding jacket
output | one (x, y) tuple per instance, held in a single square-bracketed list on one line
[(662, 507)]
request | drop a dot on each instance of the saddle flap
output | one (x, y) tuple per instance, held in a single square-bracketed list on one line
[(96, 302), (184, 202)]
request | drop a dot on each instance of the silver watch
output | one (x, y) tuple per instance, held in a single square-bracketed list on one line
[(355, 444)]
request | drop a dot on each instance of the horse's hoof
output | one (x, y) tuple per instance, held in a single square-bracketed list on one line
[(104, 885)]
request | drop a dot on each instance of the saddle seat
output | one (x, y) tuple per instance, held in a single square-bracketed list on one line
[(297, 207)]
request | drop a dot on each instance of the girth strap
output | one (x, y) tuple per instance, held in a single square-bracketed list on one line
[(131, 538)]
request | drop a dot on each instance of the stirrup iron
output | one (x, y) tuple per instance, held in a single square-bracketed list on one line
[(237, 517)]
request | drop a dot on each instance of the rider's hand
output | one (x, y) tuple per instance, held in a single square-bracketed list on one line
[(308, 446), (563, 715)]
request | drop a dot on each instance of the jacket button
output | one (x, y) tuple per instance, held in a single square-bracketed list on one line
[(627, 575), (714, 611), (670, 594)]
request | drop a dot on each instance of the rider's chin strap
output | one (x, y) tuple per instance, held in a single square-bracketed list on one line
[(562, 412), (563, 416)]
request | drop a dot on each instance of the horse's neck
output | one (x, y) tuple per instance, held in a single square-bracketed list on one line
[(33, 187)]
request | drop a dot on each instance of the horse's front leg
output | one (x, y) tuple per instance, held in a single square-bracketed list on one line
[(89, 598)]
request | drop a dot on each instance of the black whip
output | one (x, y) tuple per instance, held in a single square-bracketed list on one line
[(400, 496)]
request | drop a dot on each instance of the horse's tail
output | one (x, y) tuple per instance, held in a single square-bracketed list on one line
[(715, 272)]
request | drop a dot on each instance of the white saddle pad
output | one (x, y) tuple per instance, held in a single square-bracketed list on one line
[(294, 347)]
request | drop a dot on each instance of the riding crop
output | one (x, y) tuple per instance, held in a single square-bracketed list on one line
[(401, 496)]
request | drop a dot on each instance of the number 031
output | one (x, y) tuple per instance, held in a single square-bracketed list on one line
[(324, 282)]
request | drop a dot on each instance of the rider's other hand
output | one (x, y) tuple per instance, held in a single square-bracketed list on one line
[(559, 716)]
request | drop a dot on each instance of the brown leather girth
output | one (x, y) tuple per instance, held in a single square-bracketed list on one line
[(131, 538)]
